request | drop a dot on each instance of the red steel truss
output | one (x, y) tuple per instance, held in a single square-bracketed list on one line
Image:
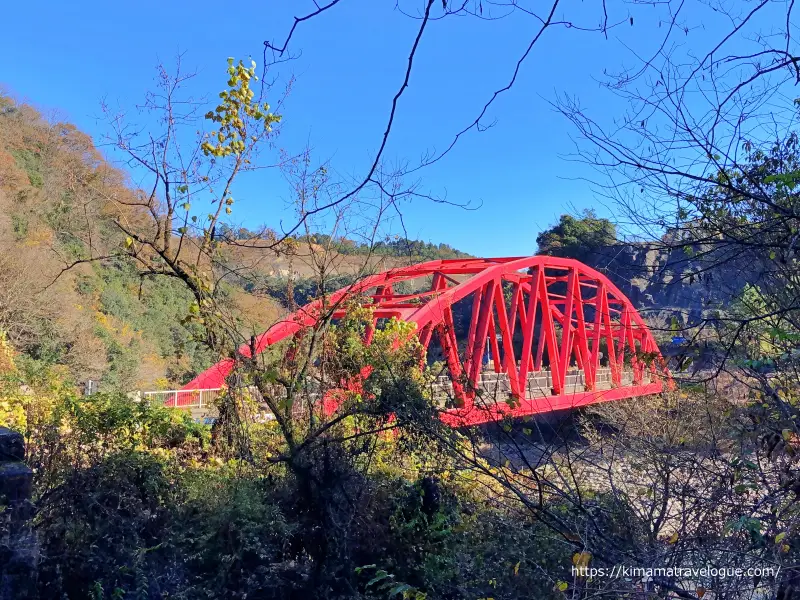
[(536, 314)]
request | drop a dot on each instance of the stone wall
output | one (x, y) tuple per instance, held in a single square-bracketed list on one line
[(18, 547), (497, 385)]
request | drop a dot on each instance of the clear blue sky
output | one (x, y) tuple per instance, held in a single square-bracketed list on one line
[(68, 56)]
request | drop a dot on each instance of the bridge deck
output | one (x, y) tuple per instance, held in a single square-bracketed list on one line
[(494, 394)]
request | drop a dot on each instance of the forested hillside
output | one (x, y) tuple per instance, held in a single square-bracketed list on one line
[(68, 296), (99, 318)]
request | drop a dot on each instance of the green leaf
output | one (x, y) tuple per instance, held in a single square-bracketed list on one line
[(400, 589), (379, 576)]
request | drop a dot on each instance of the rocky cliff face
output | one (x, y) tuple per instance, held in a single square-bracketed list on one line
[(688, 285)]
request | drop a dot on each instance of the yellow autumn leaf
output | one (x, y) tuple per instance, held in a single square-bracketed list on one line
[(581, 559), (674, 538)]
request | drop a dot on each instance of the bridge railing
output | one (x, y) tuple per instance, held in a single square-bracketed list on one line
[(183, 398)]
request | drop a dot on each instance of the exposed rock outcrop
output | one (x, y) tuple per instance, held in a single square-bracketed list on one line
[(687, 284)]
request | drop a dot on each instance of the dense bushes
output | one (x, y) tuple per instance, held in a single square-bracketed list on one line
[(136, 501), (102, 528), (135, 525)]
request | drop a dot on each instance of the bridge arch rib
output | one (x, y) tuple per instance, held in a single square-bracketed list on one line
[(559, 333)]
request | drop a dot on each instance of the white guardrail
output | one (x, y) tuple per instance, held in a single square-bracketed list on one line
[(183, 398)]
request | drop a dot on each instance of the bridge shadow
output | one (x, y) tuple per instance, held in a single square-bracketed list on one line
[(531, 442)]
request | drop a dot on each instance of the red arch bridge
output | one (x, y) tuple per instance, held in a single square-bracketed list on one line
[(519, 336)]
